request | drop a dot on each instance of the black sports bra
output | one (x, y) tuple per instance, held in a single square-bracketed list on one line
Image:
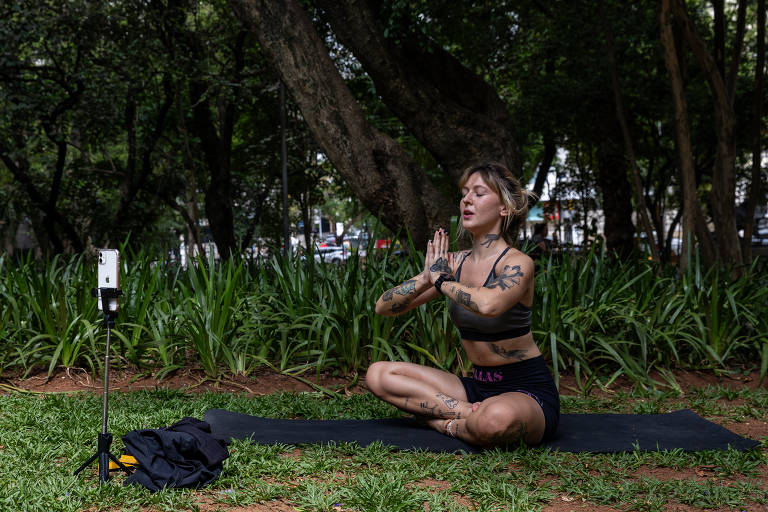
[(513, 323)]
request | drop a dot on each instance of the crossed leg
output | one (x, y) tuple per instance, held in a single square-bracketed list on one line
[(440, 397), (420, 390)]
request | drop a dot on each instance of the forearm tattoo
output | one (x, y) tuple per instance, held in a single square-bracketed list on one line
[(403, 289), (509, 277), (441, 265), (406, 287), (515, 354), (489, 239), (465, 299)]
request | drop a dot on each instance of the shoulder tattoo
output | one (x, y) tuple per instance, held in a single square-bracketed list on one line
[(510, 276)]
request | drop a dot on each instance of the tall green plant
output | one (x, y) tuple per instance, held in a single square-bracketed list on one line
[(211, 303)]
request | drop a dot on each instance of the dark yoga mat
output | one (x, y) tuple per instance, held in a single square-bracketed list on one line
[(596, 433)]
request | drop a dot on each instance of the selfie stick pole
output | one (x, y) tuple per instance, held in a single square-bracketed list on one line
[(105, 438)]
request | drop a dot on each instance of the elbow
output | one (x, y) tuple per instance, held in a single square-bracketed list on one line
[(489, 309), (381, 310), (490, 313)]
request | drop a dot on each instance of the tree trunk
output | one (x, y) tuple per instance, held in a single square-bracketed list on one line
[(458, 117), (379, 171), (755, 193), (135, 175), (550, 151), (53, 221), (637, 184), (617, 199), (216, 142), (691, 207), (218, 195), (192, 214), (723, 195)]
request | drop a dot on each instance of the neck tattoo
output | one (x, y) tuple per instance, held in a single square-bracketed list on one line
[(489, 239)]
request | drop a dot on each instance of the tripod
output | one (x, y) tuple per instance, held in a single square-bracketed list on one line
[(105, 438)]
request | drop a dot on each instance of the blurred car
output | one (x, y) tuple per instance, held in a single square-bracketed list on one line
[(331, 254)]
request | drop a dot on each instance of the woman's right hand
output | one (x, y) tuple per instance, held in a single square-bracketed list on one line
[(428, 257), (437, 249)]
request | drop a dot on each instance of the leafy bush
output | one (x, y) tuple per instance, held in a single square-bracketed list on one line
[(593, 316)]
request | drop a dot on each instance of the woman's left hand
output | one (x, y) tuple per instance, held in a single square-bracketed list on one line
[(439, 260)]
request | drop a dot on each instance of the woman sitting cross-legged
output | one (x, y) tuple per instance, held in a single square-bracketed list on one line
[(511, 395)]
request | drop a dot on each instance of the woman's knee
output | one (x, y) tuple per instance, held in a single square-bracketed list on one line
[(375, 377), (498, 423)]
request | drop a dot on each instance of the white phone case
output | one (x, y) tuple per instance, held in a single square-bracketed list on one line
[(109, 274)]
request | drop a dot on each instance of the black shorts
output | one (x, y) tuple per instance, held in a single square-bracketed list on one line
[(530, 376)]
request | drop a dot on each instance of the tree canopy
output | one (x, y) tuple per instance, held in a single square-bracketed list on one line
[(150, 120)]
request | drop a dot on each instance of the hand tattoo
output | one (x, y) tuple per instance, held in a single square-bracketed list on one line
[(509, 277), (465, 299), (489, 239), (451, 403), (441, 266), (518, 355), (425, 407)]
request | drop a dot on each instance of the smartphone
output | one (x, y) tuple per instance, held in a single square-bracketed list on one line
[(109, 275)]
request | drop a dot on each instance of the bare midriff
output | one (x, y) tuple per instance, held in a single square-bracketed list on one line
[(497, 353)]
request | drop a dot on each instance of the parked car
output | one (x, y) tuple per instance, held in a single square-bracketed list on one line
[(331, 254)]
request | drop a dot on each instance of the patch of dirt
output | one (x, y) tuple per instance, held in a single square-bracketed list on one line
[(260, 382), (752, 428), (265, 381), (700, 473), (746, 507), (686, 379), (566, 503), (429, 484), (268, 506)]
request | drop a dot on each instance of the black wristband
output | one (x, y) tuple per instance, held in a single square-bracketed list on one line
[(440, 280)]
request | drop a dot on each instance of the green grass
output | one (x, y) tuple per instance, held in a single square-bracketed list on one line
[(43, 438)]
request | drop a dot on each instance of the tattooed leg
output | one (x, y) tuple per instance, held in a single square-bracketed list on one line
[(500, 420), (440, 407)]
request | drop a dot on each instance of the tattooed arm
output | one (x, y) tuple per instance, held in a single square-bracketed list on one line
[(514, 277), (509, 287), (407, 295), (415, 291)]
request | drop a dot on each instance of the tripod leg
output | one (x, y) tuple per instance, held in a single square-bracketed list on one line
[(103, 467), (86, 463), (120, 464)]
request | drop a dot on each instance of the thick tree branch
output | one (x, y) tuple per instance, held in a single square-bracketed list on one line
[(377, 168), (637, 184), (724, 173), (691, 209), (755, 193), (458, 117)]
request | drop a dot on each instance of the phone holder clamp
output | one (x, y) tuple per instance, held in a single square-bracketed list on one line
[(105, 294)]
